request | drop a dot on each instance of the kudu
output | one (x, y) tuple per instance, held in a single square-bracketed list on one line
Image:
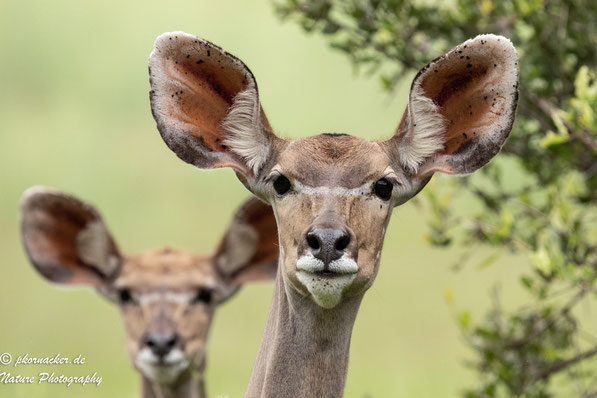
[(167, 297), (332, 194)]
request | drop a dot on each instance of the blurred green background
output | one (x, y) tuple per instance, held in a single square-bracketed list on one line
[(75, 115)]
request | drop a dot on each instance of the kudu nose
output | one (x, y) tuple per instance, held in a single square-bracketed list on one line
[(328, 244), (160, 343)]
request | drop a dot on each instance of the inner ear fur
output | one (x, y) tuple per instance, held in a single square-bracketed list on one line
[(461, 108), (206, 104), (66, 239), (249, 250)]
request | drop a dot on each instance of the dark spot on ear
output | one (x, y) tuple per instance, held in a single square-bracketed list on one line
[(217, 140), (169, 38), (199, 62), (188, 56), (464, 135), (208, 53), (485, 98), (494, 65), (467, 57), (471, 113), (468, 65), (224, 147), (462, 56), (435, 70)]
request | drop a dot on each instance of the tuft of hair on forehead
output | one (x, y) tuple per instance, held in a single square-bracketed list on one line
[(329, 148)]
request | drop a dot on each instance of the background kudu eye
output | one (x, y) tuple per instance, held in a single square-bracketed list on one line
[(282, 185), (383, 189), (204, 295), (125, 296)]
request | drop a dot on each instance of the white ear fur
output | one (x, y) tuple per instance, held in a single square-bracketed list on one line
[(94, 247), (240, 245), (425, 126), (243, 124)]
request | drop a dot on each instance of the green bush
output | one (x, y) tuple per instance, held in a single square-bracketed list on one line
[(539, 198)]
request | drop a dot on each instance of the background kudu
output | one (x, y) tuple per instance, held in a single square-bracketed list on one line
[(332, 194), (167, 297)]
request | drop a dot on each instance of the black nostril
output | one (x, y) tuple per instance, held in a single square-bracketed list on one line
[(313, 241), (161, 343), (172, 342), (342, 243), (328, 244)]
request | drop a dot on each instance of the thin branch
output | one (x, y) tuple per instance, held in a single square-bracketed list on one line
[(583, 136), (564, 364)]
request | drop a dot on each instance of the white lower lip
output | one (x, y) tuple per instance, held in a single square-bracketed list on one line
[(341, 266), (163, 372)]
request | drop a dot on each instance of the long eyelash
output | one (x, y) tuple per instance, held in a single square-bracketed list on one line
[(271, 177)]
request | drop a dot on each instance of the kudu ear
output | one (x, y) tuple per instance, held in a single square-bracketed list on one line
[(460, 110), (66, 239), (206, 105), (249, 250)]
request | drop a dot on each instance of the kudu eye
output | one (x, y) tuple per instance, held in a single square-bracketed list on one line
[(383, 189), (282, 185), (204, 295), (124, 295)]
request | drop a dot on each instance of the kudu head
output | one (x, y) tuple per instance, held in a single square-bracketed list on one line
[(333, 194), (167, 297)]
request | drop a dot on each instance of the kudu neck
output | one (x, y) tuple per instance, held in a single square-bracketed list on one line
[(190, 386), (304, 349)]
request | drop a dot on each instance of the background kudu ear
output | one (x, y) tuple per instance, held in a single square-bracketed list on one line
[(66, 239), (206, 105), (460, 110), (249, 250)]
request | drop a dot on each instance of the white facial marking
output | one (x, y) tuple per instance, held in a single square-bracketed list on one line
[(326, 290), (337, 191), (171, 297), (164, 372)]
